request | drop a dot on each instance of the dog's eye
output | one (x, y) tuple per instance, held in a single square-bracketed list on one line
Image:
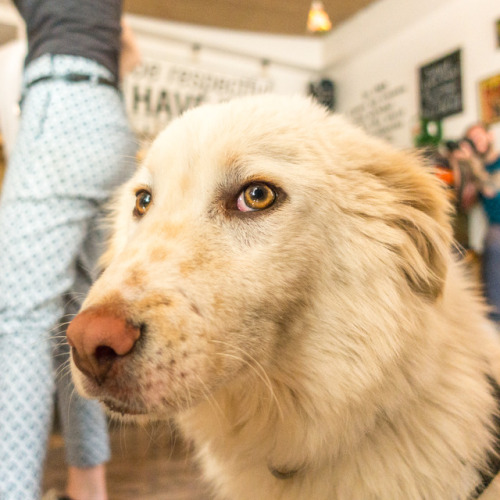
[(142, 202), (257, 196)]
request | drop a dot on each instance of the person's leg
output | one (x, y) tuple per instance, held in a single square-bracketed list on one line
[(87, 483), (101, 149), (86, 440), (491, 270), (74, 146), (84, 424), (26, 389), (34, 257), (38, 243)]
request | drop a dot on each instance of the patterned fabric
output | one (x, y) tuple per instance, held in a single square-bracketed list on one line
[(74, 147)]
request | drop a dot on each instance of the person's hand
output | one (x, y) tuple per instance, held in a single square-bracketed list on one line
[(130, 56), (465, 152), (483, 179)]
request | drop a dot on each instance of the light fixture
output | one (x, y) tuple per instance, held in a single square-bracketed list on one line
[(318, 20)]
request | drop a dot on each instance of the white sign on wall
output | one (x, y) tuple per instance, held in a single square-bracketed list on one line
[(380, 110), (158, 91)]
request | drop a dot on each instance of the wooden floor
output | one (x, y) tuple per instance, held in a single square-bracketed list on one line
[(147, 464)]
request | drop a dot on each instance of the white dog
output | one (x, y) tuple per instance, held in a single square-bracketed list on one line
[(284, 286)]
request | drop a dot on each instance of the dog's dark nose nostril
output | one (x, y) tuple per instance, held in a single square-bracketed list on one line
[(104, 357), (104, 354), (98, 338), (95, 365)]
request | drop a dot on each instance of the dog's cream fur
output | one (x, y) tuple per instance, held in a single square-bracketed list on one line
[(332, 334)]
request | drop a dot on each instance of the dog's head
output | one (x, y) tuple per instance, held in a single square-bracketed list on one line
[(250, 227)]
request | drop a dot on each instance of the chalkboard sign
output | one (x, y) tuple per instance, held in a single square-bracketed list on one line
[(441, 87)]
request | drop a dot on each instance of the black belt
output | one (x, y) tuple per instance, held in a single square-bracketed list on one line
[(74, 78)]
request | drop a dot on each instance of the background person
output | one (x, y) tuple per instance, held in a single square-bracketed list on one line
[(73, 148), (485, 163)]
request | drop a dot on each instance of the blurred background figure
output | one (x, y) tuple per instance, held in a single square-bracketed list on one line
[(73, 148), (479, 149)]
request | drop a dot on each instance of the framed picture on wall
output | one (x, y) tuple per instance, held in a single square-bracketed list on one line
[(489, 99), (440, 83), (497, 32)]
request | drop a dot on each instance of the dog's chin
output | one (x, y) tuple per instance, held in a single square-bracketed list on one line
[(114, 406), (126, 411), (124, 400), (124, 406)]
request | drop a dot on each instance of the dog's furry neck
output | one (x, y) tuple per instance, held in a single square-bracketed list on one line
[(334, 428)]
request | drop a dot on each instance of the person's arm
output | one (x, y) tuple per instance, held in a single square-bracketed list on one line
[(130, 56), (483, 180)]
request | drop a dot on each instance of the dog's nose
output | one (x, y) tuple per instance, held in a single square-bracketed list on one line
[(98, 338)]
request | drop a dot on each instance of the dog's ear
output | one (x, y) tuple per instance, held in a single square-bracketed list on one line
[(424, 259), (420, 212)]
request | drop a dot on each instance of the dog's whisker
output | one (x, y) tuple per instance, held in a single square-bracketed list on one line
[(255, 365), (61, 356), (212, 401), (57, 328), (187, 391), (71, 398), (64, 369), (57, 337), (263, 377), (173, 436)]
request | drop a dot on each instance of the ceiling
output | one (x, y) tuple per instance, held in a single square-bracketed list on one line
[(271, 16)]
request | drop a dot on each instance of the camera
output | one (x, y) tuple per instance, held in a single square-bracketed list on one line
[(454, 145)]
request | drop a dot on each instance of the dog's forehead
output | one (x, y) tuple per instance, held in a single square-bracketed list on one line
[(213, 139), (183, 157)]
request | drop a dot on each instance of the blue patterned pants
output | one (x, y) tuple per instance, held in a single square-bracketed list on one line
[(74, 147)]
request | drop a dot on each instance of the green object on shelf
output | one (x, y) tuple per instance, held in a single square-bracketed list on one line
[(431, 133)]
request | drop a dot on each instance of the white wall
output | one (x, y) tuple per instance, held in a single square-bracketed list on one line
[(379, 52), (224, 64), (373, 57), (393, 59), (302, 52)]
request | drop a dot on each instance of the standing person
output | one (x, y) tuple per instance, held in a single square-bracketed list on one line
[(73, 148), (485, 163)]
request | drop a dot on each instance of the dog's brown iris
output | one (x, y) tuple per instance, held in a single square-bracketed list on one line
[(142, 202), (258, 196)]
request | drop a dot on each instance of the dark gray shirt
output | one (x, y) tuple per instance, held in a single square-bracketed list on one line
[(87, 28)]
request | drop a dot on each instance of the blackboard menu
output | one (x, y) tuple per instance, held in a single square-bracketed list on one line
[(441, 87)]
